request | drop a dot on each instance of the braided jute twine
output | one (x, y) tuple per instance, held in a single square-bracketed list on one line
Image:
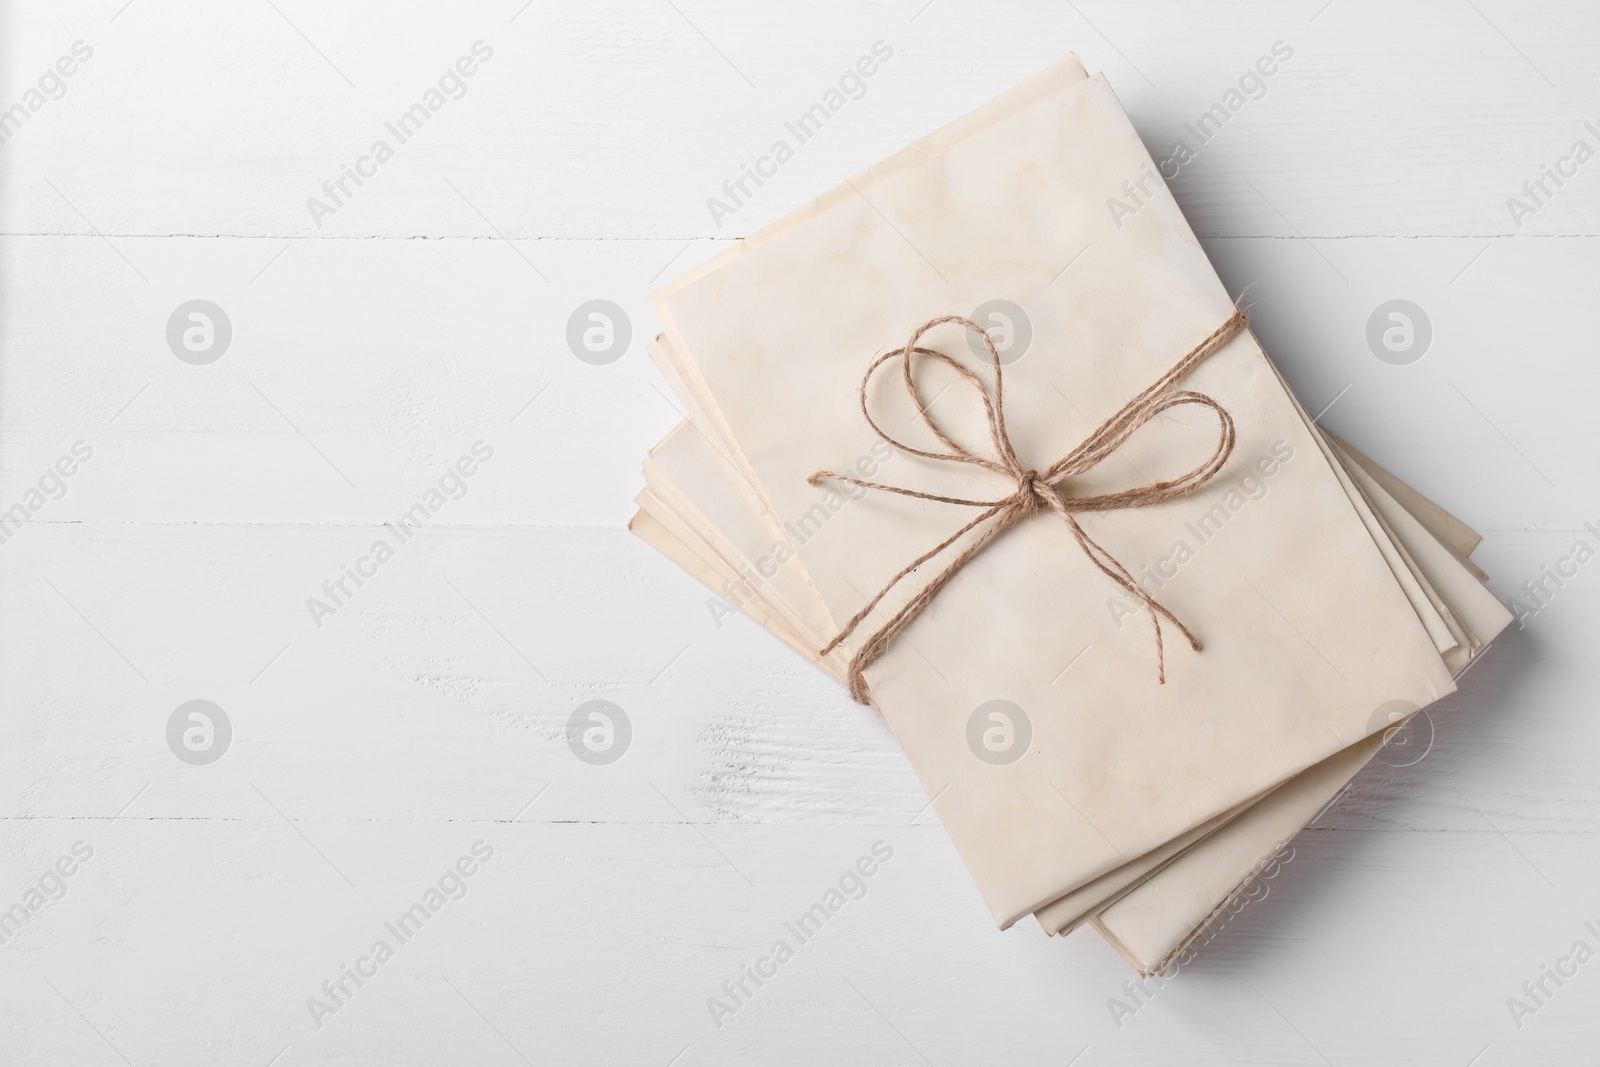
[(1036, 490)]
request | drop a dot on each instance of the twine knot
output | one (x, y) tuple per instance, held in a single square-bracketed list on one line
[(1036, 490), (1033, 492)]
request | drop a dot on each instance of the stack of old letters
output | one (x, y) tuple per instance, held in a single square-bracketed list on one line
[(1014, 469)]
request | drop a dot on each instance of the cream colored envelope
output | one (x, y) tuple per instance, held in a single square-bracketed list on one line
[(778, 334), (1465, 539)]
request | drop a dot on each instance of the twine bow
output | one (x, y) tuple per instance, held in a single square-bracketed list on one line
[(1036, 490)]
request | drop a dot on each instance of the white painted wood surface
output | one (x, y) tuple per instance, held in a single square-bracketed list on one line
[(429, 313)]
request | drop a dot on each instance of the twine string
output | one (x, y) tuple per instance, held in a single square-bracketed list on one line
[(1036, 490)]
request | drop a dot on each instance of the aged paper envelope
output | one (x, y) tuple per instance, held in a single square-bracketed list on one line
[(777, 334), (735, 584)]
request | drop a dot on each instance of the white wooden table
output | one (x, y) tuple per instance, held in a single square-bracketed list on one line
[(376, 339)]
